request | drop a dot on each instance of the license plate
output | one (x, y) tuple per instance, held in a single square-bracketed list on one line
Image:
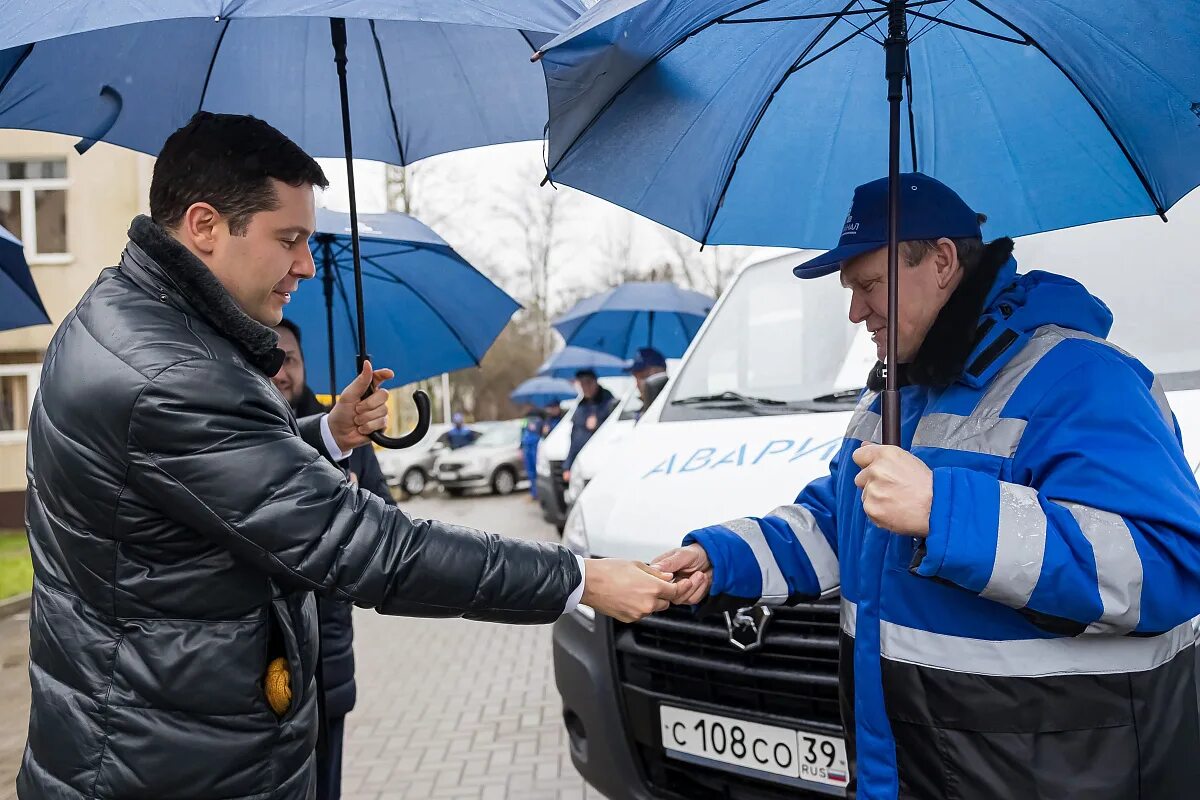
[(750, 745)]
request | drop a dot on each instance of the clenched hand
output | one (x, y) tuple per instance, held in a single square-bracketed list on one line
[(626, 590), (897, 489), (353, 418)]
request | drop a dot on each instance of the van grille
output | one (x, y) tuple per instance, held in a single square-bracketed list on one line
[(678, 658)]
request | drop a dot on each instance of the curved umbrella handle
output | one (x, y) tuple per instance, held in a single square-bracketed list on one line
[(424, 417)]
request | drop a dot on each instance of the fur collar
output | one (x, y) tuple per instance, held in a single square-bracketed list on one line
[(200, 289), (954, 334)]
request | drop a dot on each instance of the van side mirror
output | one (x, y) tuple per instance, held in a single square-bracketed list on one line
[(654, 386)]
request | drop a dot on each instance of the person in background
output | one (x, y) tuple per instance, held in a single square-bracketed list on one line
[(530, 437), (648, 362), (335, 619), (460, 435), (594, 407), (551, 416)]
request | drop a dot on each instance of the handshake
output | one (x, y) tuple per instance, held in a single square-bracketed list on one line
[(630, 590)]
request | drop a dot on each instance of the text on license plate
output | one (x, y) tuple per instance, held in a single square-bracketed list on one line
[(750, 745)]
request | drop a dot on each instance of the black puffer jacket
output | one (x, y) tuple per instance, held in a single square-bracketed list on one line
[(334, 616), (180, 521)]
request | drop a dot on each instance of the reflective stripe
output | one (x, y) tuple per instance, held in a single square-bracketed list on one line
[(1020, 547), (866, 425), (815, 545), (1033, 658), (995, 436), (985, 431), (1164, 405), (849, 617), (1118, 568), (774, 585)]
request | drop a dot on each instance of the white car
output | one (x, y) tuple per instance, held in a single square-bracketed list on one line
[(411, 468), (758, 407)]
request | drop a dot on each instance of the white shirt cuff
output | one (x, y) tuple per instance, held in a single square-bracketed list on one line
[(331, 445), (577, 595)]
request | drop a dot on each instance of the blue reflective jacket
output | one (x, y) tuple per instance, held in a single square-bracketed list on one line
[(1063, 555)]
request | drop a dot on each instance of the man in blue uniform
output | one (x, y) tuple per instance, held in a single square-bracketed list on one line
[(1018, 582)]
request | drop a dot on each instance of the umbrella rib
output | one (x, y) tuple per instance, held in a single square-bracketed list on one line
[(16, 66), (796, 66), (387, 90), (935, 21), (932, 21), (1158, 207), (212, 62)]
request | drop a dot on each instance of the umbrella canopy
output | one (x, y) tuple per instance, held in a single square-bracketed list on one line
[(746, 128), (542, 391), (135, 83), (634, 315), (428, 311), (425, 77), (750, 123), (566, 362), (22, 304)]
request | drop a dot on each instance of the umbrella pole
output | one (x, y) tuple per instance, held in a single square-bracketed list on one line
[(896, 57), (327, 279), (337, 31)]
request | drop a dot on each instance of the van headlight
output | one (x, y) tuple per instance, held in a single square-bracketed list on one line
[(575, 536)]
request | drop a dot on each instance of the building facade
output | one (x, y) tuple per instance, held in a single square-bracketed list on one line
[(72, 213)]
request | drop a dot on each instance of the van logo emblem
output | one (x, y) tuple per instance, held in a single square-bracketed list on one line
[(747, 626)]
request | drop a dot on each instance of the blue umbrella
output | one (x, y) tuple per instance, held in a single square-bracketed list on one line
[(22, 304), (566, 362), (749, 122), (428, 77), (429, 311), (633, 315), (542, 391)]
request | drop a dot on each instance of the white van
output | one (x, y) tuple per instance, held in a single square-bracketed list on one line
[(757, 409)]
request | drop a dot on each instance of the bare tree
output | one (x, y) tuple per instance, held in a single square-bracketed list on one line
[(537, 217), (706, 270)]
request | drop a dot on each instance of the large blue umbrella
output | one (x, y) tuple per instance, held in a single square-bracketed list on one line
[(22, 305), (428, 310), (634, 315), (750, 122), (542, 391), (568, 361), (425, 77)]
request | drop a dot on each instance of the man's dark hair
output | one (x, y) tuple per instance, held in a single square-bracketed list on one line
[(294, 328), (227, 161), (585, 373), (970, 250)]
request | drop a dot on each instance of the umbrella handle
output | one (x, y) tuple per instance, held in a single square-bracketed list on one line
[(424, 417)]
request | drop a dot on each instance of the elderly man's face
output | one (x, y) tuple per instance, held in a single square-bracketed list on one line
[(290, 378), (924, 289)]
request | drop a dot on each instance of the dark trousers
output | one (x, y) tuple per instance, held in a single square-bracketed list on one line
[(329, 768)]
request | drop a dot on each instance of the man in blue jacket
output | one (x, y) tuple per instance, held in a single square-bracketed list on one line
[(594, 407), (1018, 582), (335, 618)]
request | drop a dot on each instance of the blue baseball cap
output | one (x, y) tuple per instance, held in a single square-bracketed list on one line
[(647, 357), (929, 209)]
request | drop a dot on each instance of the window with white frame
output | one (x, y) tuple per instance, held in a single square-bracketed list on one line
[(18, 385), (33, 206)]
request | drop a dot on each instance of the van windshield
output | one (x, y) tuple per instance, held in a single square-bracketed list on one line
[(777, 345)]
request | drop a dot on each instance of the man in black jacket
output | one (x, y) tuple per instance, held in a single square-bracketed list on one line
[(335, 620), (181, 520)]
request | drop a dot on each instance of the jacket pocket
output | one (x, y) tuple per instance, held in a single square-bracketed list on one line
[(283, 643)]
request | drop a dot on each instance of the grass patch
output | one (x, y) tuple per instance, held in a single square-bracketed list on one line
[(16, 570)]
